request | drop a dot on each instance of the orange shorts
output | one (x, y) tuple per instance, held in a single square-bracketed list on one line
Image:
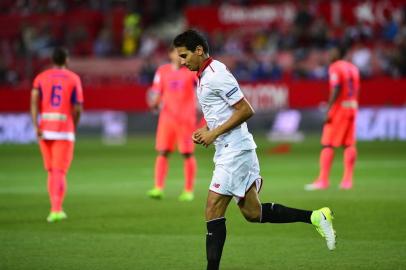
[(170, 133), (57, 154), (340, 130)]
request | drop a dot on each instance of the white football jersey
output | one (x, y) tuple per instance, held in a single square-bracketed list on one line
[(217, 92)]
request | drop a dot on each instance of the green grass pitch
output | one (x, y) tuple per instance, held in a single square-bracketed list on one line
[(113, 225)]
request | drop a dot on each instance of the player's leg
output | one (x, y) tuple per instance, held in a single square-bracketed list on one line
[(254, 211), (46, 153), (216, 228), (189, 169), (325, 160), (186, 147), (160, 172), (350, 156), (165, 143), (62, 155), (63, 152)]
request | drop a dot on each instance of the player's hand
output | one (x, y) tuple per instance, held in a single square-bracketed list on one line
[(205, 137), (194, 138), (38, 132), (154, 101)]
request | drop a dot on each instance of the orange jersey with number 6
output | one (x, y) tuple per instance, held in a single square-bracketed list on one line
[(60, 89)]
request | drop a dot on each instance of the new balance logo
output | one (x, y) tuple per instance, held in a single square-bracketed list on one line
[(216, 185)]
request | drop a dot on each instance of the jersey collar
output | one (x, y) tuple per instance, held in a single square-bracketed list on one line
[(205, 64)]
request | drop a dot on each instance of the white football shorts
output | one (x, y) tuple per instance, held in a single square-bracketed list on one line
[(235, 172)]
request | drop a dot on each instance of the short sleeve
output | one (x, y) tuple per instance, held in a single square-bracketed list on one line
[(334, 77), (36, 84), (228, 89), (77, 94)]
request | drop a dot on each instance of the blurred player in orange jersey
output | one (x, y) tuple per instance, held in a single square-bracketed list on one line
[(173, 92), (57, 99), (339, 125)]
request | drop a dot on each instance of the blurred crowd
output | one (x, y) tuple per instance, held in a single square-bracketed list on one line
[(296, 52), (301, 51)]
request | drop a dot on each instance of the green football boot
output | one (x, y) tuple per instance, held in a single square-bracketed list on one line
[(322, 219), (186, 196), (155, 193), (56, 216)]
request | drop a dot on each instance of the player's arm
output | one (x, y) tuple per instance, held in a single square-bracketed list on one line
[(77, 112), (35, 97), (202, 124), (153, 99), (334, 94), (77, 102), (242, 112), (155, 92), (335, 90)]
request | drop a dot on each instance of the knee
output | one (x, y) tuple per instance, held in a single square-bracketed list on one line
[(252, 215), (213, 210)]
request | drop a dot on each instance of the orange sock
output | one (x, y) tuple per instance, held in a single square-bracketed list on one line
[(56, 189), (190, 173), (161, 169), (51, 188), (326, 159), (350, 156)]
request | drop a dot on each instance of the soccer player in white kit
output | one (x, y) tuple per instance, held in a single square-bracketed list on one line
[(236, 172)]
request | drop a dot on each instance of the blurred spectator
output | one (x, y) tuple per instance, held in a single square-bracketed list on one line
[(390, 29), (217, 40), (361, 57), (319, 72), (358, 32), (233, 44), (302, 23), (3, 72), (7, 75), (399, 56), (131, 34), (103, 45), (78, 41), (42, 42), (318, 33), (267, 70), (57, 6), (284, 49), (242, 70), (147, 72), (149, 43)]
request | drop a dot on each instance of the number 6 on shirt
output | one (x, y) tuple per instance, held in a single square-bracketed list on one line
[(56, 97)]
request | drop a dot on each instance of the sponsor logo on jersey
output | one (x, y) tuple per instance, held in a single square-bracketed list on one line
[(231, 92)]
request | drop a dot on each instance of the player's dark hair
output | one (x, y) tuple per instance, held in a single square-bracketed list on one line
[(59, 56), (342, 50), (171, 47), (191, 39)]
